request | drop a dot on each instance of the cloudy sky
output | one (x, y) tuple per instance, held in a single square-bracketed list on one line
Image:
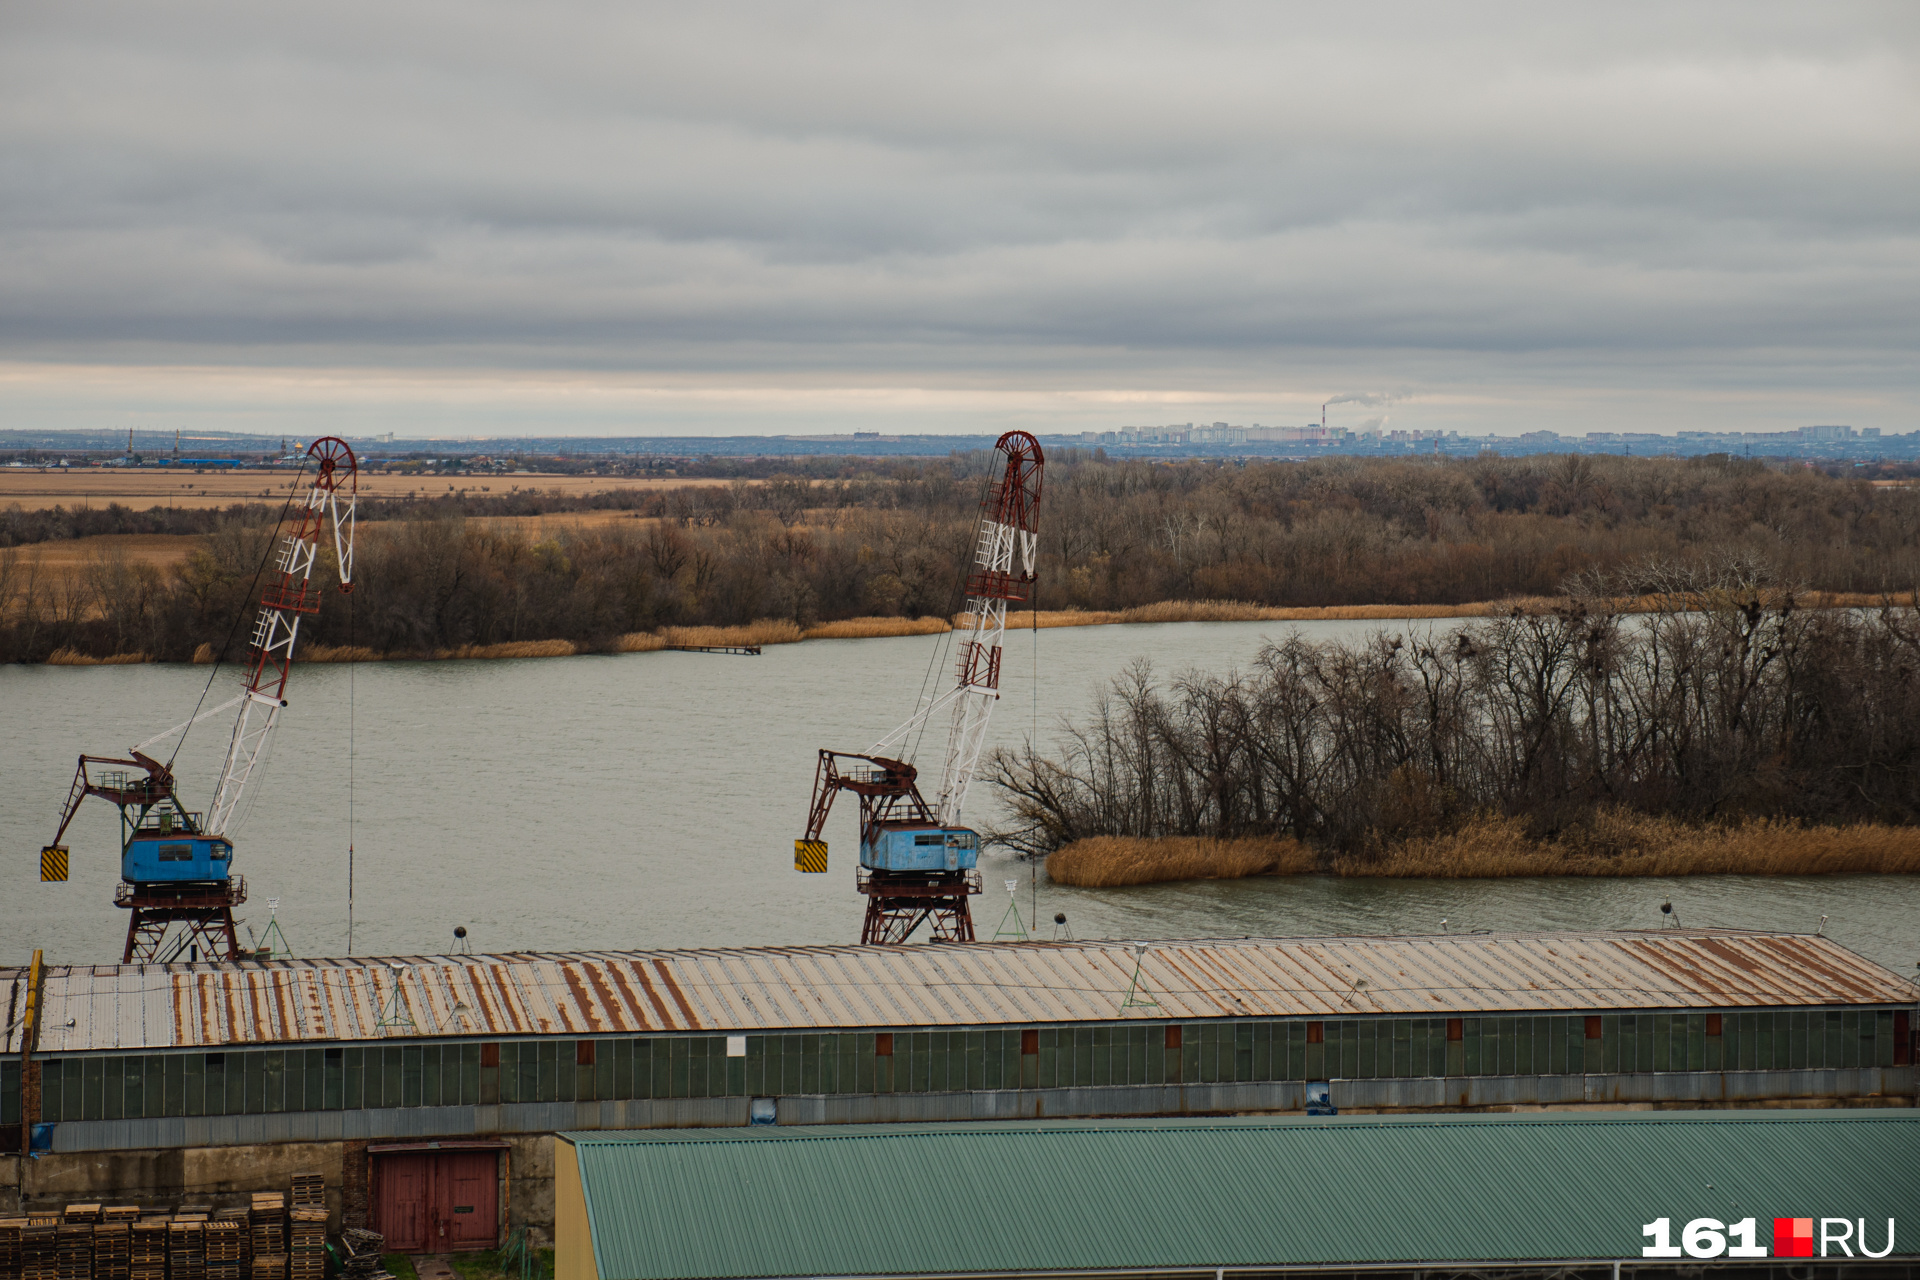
[(474, 218)]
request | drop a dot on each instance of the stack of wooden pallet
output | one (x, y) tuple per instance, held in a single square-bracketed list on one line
[(186, 1248), (242, 1241), (225, 1242), (268, 1222), (148, 1255), (112, 1251), (73, 1258), (309, 1188), (10, 1229), (307, 1254), (40, 1249)]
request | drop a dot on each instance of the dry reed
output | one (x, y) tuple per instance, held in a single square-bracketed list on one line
[(512, 649), (1620, 843), (74, 658), (1244, 611), (764, 632), (336, 653), (866, 628), (1108, 861), (639, 642), (1241, 611), (1615, 843)]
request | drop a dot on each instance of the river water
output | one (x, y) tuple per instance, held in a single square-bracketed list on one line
[(651, 800)]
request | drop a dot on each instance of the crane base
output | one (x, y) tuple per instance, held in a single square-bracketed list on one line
[(206, 911), (898, 905)]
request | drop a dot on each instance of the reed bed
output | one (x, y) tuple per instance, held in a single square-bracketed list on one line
[(1242, 611), (1105, 862), (867, 628), (1614, 843), (639, 642), (512, 649), (1619, 843), (764, 632), (336, 653), (74, 658)]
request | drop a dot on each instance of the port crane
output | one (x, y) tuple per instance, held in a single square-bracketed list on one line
[(918, 863), (175, 863)]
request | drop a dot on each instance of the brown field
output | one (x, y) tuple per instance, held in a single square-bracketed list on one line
[(1617, 844), (143, 487), (164, 549), (160, 549)]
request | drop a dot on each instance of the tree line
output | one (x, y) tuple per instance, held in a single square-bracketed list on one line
[(1728, 702), (867, 539)]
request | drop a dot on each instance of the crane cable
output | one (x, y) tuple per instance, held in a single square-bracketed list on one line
[(944, 644), (352, 663), (241, 612)]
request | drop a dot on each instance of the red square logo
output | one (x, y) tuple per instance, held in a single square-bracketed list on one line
[(1793, 1237)]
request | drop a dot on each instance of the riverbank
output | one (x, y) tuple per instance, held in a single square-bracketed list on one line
[(1615, 843), (778, 631)]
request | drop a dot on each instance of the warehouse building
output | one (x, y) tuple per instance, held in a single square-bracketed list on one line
[(425, 1079), (1489, 1197)]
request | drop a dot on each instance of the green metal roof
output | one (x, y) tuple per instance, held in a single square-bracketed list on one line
[(1039, 1196)]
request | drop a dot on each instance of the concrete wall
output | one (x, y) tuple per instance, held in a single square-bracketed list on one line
[(225, 1176)]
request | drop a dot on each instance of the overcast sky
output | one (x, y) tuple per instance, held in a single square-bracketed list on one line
[(472, 218)]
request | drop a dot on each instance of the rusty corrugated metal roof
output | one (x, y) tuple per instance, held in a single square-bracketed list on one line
[(123, 1007)]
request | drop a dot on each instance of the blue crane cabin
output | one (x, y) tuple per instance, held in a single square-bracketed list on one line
[(921, 848), (176, 857)]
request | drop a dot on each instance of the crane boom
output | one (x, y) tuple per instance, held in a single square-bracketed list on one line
[(917, 860)]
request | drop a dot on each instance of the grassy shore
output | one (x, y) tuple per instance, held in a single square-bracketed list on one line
[(778, 631), (1615, 843)]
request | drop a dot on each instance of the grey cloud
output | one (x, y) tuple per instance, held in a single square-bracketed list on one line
[(1404, 194)]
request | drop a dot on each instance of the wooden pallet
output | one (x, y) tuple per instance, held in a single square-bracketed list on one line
[(112, 1251), (74, 1251), (40, 1250), (147, 1256), (186, 1249), (10, 1229)]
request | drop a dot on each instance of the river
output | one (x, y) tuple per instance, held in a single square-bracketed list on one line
[(651, 800)]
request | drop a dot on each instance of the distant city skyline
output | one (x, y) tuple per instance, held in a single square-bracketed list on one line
[(604, 219)]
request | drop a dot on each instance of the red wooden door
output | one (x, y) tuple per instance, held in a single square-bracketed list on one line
[(406, 1194), (466, 1190), (439, 1201)]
